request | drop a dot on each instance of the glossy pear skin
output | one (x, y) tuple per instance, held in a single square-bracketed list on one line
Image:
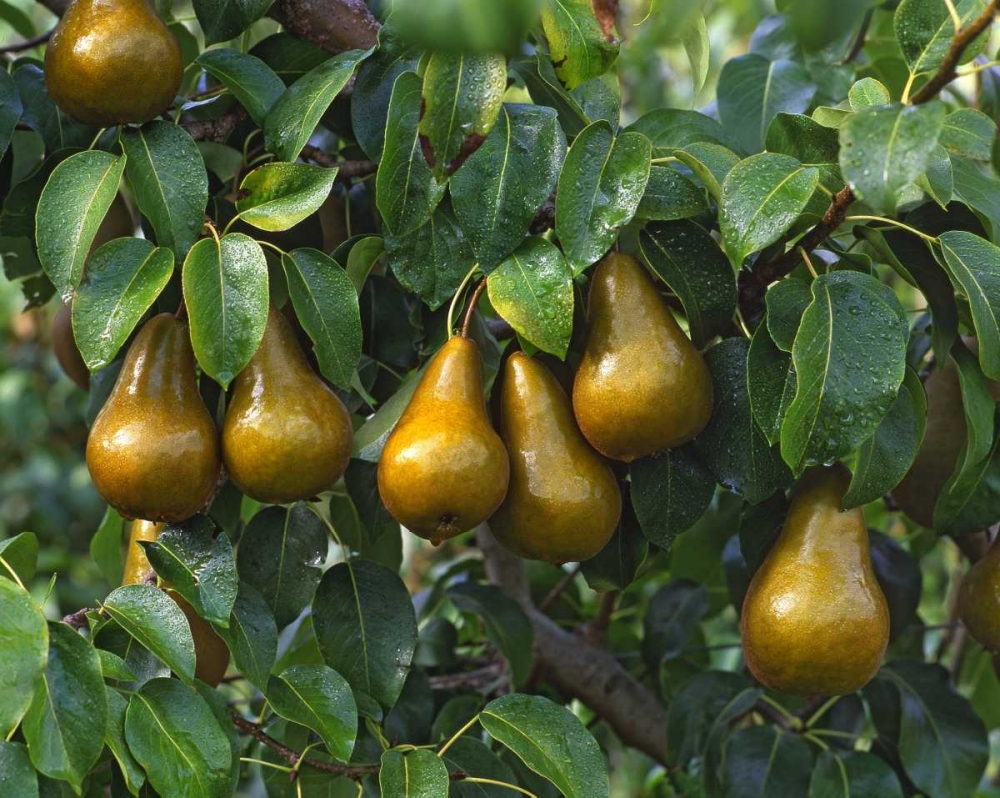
[(979, 599), (153, 451), (112, 62), (444, 470), (211, 651), (563, 503), (815, 621), (286, 435), (642, 387)]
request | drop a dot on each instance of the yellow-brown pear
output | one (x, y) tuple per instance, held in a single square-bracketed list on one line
[(153, 451), (979, 599), (211, 651), (112, 62), (563, 503), (815, 621), (287, 436), (642, 386), (444, 470)]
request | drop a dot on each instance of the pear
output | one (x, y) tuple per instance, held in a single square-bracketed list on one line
[(979, 599), (65, 349), (211, 651), (815, 621), (563, 503), (444, 470), (642, 386), (153, 451), (286, 435), (112, 62)]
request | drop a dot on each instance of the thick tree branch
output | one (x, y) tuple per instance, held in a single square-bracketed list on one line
[(580, 670), (216, 129), (753, 284), (19, 47), (348, 169)]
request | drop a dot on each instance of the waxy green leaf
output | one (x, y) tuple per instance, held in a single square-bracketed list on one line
[(319, 698), (250, 80), (24, 643), (153, 618), (277, 196), (579, 46)]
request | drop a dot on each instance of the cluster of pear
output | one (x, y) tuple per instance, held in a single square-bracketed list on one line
[(154, 451), (112, 62), (641, 387)]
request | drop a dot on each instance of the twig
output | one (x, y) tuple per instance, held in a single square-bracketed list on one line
[(558, 589), (597, 629), (216, 129), (18, 47), (347, 169), (859, 41), (78, 619), (467, 322), (480, 679)]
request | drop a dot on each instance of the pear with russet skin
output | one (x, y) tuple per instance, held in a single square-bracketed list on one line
[(641, 387), (286, 436), (153, 451), (979, 599), (444, 470), (211, 651), (815, 621), (113, 62), (563, 503)]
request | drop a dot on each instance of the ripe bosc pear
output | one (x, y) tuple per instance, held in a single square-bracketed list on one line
[(153, 451), (65, 349), (815, 621), (112, 62), (563, 503), (444, 470), (642, 387), (979, 599), (286, 435), (211, 651)]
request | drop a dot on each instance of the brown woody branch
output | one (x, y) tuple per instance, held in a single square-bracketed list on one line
[(20, 47), (753, 284), (216, 129), (347, 169)]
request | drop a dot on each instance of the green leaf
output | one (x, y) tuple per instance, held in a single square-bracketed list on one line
[(106, 546), (405, 189), (867, 92), (671, 620), (924, 29), (176, 737), (669, 195), (115, 668), (277, 196), (766, 761), (24, 643), (72, 206), (10, 109), (507, 627), (198, 564), (885, 149), (600, 187), (752, 90), (853, 774), (685, 256), (414, 774), (496, 205), (462, 95), (969, 500), (373, 88), (226, 293), (369, 440), (807, 141), (546, 89), (252, 636), (551, 741), (616, 565), (366, 628), (969, 133), (485, 26), (973, 264), (432, 261), (672, 129), (222, 20), (886, 457), (68, 718), (19, 554), (697, 44), (326, 304), (710, 163), (42, 115), (123, 279), (670, 492), (361, 259), (251, 81), (280, 554), (762, 198), (16, 773), (978, 191), (167, 174), (115, 740), (941, 742), (770, 383), (533, 291), (156, 622), (849, 357), (294, 117), (578, 45), (938, 182), (319, 698), (732, 445), (471, 756)]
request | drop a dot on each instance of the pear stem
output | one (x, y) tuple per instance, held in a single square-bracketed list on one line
[(472, 307)]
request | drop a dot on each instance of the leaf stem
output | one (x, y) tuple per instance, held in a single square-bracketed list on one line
[(819, 713), (816, 741), (250, 760), (97, 138), (494, 783), (455, 299), (808, 261), (793, 721), (13, 573), (454, 738), (955, 17), (275, 247), (894, 223)]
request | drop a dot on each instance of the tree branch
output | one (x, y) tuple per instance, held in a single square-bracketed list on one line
[(19, 47), (580, 670), (348, 169)]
